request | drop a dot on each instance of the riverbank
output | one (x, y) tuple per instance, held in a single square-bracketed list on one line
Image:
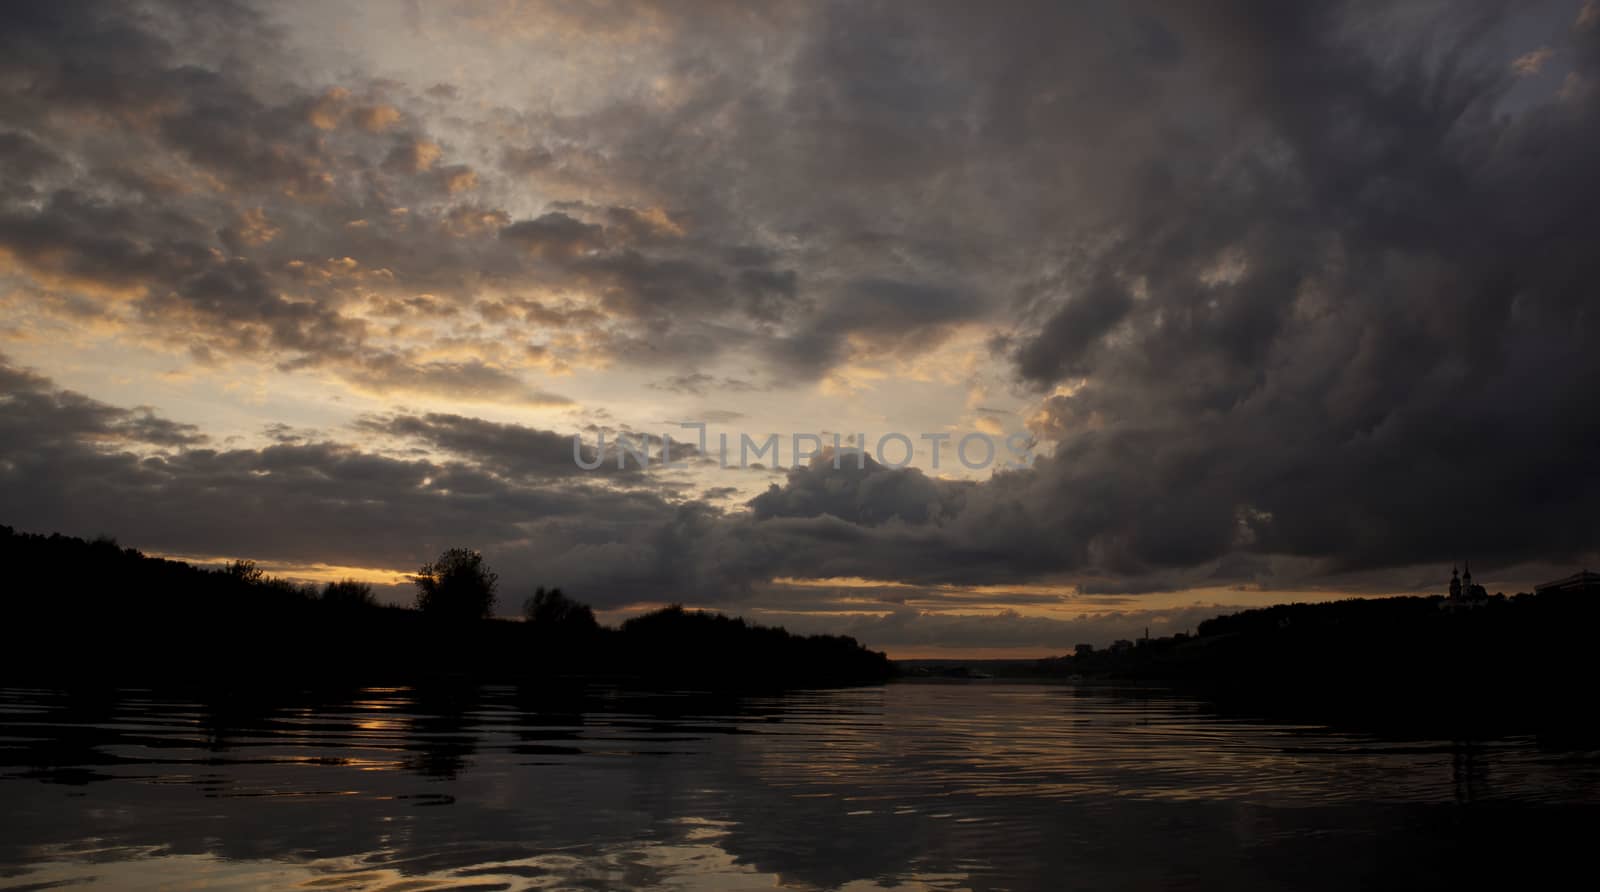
[(89, 613), (1519, 664)]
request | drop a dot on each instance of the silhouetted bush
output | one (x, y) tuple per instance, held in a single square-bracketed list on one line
[(349, 594), (456, 587), (550, 609)]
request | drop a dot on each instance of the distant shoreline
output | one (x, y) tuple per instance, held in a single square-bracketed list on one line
[(1519, 664), (99, 614)]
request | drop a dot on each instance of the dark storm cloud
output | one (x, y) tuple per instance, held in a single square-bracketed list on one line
[(555, 233), (23, 159), (1058, 350), (1320, 288), (897, 317), (1365, 304), (639, 285), (1293, 282), (864, 493)]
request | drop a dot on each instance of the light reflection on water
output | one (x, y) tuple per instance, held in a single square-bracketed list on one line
[(960, 786)]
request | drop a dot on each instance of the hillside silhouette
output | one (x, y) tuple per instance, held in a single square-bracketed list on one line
[(96, 612), (1510, 662)]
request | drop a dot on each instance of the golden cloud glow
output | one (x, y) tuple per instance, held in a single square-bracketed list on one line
[(302, 572)]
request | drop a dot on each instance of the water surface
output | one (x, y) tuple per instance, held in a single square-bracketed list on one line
[(909, 786)]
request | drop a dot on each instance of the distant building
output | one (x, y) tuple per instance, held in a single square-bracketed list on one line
[(1463, 593), (1121, 644), (1581, 581)]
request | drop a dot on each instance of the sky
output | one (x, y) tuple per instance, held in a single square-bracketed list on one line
[(1259, 301)]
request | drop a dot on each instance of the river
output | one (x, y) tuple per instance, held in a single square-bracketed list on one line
[(908, 786)]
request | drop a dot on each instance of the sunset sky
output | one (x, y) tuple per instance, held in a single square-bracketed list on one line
[(1295, 301)]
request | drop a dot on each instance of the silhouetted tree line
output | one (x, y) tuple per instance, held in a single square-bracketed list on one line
[(1526, 662), (95, 611)]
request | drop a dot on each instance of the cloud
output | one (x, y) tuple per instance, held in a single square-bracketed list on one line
[(700, 383), (555, 234), (860, 491), (509, 450), (469, 380), (37, 411), (1532, 62)]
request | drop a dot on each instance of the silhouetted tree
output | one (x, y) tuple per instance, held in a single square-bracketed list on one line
[(551, 609), (456, 586), (288, 589), (246, 572), (348, 593)]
